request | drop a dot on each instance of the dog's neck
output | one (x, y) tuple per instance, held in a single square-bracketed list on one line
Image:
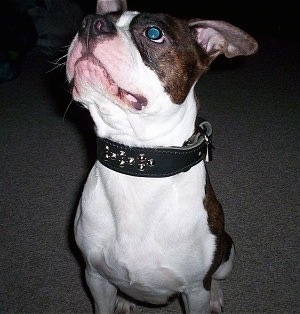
[(172, 127)]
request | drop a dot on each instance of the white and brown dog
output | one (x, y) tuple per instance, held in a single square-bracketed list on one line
[(148, 223)]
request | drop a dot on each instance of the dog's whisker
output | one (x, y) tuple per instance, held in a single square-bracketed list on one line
[(65, 47), (65, 113), (59, 62), (56, 67), (69, 105)]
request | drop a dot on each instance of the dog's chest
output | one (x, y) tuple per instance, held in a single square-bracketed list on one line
[(148, 236)]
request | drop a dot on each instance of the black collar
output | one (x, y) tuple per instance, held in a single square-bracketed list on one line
[(157, 162)]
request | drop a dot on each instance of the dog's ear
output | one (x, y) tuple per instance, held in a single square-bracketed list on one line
[(218, 37), (106, 6)]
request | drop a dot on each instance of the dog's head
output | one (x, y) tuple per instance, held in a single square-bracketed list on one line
[(134, 69)]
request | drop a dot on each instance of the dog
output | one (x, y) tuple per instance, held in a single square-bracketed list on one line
[(148, 223)]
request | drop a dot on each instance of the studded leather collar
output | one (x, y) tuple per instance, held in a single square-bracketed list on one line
[(157, 162)]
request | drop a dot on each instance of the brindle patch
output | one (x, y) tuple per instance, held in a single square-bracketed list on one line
[(214, 209), (216, 224), (178, 61)]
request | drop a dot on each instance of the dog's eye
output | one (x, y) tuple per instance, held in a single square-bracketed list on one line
[(154, 33)]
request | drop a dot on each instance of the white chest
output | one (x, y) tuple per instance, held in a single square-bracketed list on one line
[(146, 234)]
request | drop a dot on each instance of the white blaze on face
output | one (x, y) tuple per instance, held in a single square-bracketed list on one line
[(124, 64)]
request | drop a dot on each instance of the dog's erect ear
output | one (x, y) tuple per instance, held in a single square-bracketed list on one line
[(218, 37), (106, 6)]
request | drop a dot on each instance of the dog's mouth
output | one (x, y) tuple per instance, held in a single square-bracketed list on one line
[(89, 68)]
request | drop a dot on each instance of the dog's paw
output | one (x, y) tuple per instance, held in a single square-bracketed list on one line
[(216, 298), (124, 306)]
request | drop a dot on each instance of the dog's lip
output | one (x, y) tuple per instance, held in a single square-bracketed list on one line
[(137, 101), (134, 100)]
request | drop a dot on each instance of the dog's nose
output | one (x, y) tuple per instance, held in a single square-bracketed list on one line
[(96, 25)]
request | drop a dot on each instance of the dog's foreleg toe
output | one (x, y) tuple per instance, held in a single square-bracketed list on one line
[(216, 298), (124, 306)]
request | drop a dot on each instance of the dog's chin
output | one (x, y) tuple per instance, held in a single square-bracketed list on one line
[(89, 72)]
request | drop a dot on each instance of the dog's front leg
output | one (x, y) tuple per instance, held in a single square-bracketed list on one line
[(196, 300), (104, 293)]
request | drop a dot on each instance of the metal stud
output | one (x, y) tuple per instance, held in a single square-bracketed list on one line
[(122, 163), (122, 159), (141, 157), (141, 167), (130, 160), (151, 162), (105, 156)]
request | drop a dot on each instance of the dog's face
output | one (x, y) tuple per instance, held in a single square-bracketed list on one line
[(135, 61), (124, 64)]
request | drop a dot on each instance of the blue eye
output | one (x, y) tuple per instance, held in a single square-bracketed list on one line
[(153, 33)]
